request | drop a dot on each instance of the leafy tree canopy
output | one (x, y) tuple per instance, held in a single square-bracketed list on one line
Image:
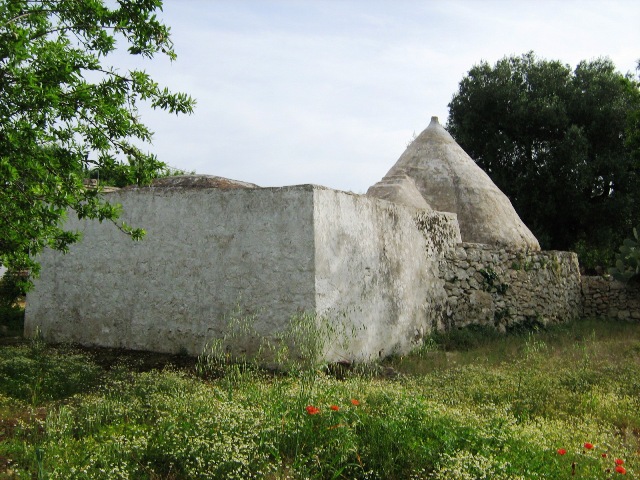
[(64, 110), (562, 144)]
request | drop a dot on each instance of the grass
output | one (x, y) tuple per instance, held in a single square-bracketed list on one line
[(467, 405)]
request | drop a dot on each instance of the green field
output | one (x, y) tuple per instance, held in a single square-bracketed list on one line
[(468, 405)]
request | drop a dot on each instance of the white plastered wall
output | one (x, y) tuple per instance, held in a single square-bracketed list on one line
[(266, 253)]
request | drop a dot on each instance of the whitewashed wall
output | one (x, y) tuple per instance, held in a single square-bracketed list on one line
[(374, 270), (272, 252)]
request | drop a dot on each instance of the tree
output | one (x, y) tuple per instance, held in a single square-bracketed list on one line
[(64, 110), (120, 175), (556, 141)]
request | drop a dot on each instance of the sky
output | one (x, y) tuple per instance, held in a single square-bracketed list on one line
[(330, 92)]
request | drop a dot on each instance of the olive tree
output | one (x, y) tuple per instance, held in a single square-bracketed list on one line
[(64, 110), (558, 142)]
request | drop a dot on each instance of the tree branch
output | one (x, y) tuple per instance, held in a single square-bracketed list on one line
[(24, 15)]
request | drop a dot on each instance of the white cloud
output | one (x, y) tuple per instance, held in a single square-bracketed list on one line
[(330, 92)]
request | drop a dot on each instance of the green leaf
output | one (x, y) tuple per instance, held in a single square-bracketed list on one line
[(66, 114), (563, 144)]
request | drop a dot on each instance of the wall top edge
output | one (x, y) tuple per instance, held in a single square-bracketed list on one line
[(510, 249), (301, 187), (152, 188)]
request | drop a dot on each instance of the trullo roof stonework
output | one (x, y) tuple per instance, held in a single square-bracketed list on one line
[(450, 181)]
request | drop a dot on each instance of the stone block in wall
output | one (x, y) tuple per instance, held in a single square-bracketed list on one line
[(461, 273), (476, 308)]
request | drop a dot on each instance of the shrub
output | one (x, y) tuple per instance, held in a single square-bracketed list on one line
[(627, 266), (11, 321), (12, 288)]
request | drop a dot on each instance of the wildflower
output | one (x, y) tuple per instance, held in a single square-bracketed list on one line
[(335, 408), (311, 410), (619, 461), (621, 469), (562, 451), (588, 446), (355, 402), (604, 455)]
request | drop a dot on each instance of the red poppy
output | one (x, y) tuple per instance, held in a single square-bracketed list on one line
[(619, 461), (335, 408), (604, 455), (562, 451), (311, 410), (588, 446), (355, 402), (621, 469)]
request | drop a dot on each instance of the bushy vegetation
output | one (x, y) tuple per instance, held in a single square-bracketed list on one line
[(627, 266), (536, 405), (65, 108), (562, 143), (12, 291), (12, 288)]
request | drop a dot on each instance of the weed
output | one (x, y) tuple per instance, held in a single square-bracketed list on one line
[(503, 408), (37, 374), (491, 282), (529, 324), (301, 348)]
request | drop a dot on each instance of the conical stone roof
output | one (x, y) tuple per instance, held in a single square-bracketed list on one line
[(450, 181)]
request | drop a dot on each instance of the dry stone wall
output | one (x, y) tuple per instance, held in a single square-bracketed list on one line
[(488, 285), (605, 297)]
